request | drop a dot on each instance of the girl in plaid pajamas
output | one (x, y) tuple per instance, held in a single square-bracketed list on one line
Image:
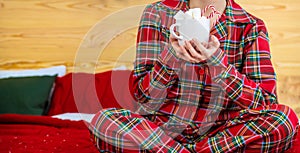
[(218, 96)]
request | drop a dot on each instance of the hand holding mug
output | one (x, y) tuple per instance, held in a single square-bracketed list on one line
[(203, 50), (181, 50), (195, 51)]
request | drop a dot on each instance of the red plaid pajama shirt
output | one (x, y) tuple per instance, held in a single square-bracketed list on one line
[(225, 104)]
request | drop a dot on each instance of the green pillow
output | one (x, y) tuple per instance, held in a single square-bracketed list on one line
[(25, 95)]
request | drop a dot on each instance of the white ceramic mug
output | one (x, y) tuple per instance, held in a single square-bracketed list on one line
[(191, 28)]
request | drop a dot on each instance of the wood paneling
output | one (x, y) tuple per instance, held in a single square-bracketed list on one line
[(40, 33)]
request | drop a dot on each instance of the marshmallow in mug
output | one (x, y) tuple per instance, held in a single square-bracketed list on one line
[(191, 25)]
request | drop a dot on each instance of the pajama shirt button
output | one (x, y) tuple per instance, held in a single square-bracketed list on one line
[(201, 71)]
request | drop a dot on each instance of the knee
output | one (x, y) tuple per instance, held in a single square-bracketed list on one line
[(286, 118), (108, 114), (287, 113)]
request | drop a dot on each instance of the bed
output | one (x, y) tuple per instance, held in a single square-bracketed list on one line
[(62, 125), (64, 128)]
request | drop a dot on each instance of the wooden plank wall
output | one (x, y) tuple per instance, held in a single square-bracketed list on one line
[(40, 33)]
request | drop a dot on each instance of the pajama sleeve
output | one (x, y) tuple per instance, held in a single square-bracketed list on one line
[(153, 78), (255, 84)]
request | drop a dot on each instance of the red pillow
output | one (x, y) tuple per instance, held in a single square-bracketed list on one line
[(88, 93)]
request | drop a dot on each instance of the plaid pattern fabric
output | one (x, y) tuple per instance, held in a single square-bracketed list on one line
[(267, 130), (227, 103)]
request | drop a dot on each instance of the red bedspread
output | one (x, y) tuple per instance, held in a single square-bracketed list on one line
[(23, 133)]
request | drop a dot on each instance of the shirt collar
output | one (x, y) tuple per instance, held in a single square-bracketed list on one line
[(233, 11), (237, 14)]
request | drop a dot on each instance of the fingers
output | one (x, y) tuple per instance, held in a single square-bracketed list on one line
[(181, 51), (200, 47), (185, 55), (205, 44), (175, 44), (214, 41), (173, 40), (193, 51)]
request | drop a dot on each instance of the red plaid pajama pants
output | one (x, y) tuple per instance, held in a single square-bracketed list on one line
[(270, 129)]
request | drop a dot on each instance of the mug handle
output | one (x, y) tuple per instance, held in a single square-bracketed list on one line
[(173, 32)]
